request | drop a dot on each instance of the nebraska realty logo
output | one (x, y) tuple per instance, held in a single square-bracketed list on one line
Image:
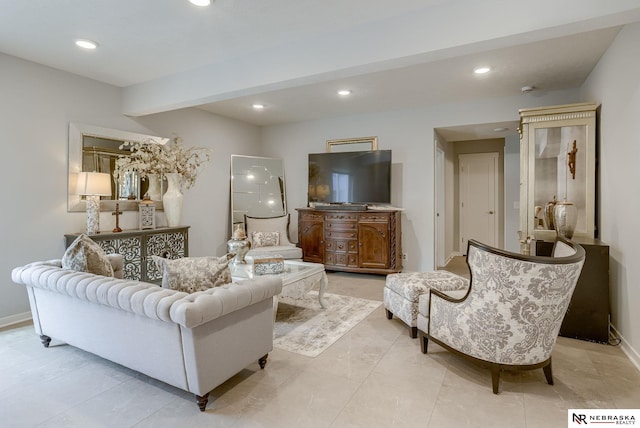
[(581, 417)]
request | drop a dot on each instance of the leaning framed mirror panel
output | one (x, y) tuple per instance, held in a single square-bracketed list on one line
[(257, 188)]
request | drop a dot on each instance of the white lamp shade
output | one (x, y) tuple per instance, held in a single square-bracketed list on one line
[(93, 183)]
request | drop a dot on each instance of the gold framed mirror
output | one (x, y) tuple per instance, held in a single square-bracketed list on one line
[(94, 149), (353, 144)]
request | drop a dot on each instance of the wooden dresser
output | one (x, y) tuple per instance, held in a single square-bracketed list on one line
[(137, 247), (365, 241)]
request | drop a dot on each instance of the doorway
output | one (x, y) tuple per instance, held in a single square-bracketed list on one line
[(478, 198), (440, 208)]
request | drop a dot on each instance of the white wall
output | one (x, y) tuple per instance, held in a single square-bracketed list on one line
[(615, 84), (37, 105), (512, 193), (410, 134)]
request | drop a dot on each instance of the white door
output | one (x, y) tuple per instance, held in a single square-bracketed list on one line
[(440, 209), (478, 181)]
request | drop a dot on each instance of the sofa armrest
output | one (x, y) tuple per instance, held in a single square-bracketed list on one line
[(204, 306), (117, 262)]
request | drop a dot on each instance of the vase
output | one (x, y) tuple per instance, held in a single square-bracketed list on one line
[(565, 216), (154, 191), (172, 199), (240, 247)]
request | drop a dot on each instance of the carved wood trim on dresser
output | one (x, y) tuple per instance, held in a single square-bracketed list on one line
[(137, 247), (351, 241)]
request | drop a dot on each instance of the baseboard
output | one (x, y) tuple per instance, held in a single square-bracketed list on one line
[(15, 319), (629, 351)]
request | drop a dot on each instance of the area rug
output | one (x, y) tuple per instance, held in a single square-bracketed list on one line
[(307, 329)]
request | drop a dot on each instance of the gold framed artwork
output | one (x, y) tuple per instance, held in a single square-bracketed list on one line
[(353, 144)]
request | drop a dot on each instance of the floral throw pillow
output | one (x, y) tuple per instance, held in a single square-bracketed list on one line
[(191, 274), (85, 255), (265, 239)]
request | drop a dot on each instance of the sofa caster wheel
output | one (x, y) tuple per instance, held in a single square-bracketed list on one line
[(263, 361), (46, 340)]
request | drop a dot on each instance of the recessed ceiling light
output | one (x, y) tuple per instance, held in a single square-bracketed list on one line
[(258, 106), (482, 70), (501, 129), (86, 44), (200, 2), (344, 92)]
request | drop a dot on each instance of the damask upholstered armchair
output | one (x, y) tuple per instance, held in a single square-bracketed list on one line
[(512, 313)]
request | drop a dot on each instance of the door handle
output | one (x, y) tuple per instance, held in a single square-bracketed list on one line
[(490, 212)]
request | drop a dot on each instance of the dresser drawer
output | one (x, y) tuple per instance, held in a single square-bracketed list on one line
[(313, 216), (340, 245), (340, 235), (335, 225), (345, 260), (374, 217), (341, 216)]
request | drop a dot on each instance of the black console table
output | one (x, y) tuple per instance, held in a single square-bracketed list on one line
[(137, 247), (588, 315)]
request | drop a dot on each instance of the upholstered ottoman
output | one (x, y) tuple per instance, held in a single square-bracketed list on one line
[(402, 291)]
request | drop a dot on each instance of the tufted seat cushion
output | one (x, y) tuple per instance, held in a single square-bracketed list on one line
[(402, 291), (284, 251), (410, 285)]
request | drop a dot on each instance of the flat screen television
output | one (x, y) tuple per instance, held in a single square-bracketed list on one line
[(350, 177)]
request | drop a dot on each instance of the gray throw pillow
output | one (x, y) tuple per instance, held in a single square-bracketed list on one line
[(85, 255), (191, 274)]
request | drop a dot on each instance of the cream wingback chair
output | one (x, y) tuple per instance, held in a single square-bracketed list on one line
[(270, 237), (512, 313)]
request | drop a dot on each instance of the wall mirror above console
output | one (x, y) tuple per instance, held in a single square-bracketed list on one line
[(257, 188), (557, 166), (95, 149)]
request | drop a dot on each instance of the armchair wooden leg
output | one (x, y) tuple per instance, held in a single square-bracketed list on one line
[(495, 377), (548, 373), (389, 314), (424, 342), (413, 332)]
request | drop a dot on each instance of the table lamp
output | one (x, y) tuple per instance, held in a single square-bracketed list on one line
[(93, 185)]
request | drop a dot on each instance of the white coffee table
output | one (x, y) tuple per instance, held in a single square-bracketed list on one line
[(298, 279)]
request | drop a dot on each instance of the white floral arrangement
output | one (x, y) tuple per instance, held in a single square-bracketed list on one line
[(151, 157)]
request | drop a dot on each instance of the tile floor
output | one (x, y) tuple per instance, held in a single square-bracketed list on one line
[(374, 376)]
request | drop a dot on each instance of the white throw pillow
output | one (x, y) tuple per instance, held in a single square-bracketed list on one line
[(85, 255), (191, 274)]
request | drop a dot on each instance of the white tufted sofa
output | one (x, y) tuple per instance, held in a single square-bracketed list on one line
[(191, 341)]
